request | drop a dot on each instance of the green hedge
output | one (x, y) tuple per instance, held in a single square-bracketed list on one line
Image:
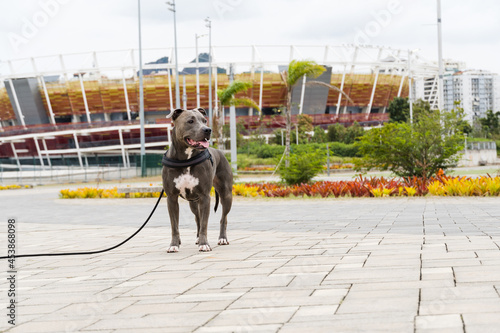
[(275, 151)]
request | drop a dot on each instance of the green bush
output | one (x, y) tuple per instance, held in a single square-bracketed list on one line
[(302, 167), (419, 149), (275, 151), (336, 133), (320, 136), (348, 135), (343, 150), (262, 150)]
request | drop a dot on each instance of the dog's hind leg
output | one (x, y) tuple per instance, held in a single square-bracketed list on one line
[(226, 200), (173, 211)]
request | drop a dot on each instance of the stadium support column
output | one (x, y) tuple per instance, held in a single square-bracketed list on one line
[(49, 105), (353, 65), (47, 155), (37, 146), (341, 89), (13, 147), (16, 102), (369, 109), (261, 88), (302, 93), (122, 148), (87, 112), (125, 93), (78, 152), (401, 84)]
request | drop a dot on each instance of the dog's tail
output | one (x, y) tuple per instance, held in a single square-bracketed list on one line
[(216, 201)]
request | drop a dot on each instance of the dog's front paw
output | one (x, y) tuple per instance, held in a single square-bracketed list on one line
[(173, 249), (223, 241), (197, 240), (205, 248)]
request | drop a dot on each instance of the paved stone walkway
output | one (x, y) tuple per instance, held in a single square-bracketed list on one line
[(312, 265)]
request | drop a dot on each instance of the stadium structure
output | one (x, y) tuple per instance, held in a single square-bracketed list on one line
[(82, 106)]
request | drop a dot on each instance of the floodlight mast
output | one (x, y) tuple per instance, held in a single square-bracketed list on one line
[(440, 58), (141, 98), (196, 36), (177, 88), (209, 26)]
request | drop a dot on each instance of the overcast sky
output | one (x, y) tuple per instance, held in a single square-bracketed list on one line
[(471, 29)]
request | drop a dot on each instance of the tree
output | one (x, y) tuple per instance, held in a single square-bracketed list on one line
[(399, 109), (431, 143), (491, 123), (297, 69), (320, 135), (227, 98), (339, 133), (303, 167), (336, 133), (353, 132), (304, 124)]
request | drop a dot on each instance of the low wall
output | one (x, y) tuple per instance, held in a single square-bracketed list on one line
[(479, 153)]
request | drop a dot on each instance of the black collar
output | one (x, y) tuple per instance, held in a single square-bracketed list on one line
[(171, 163)]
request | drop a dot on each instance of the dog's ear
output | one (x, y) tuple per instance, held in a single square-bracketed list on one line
[(202, 111), (175, 114)]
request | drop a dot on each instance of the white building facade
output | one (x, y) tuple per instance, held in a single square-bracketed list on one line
[(476, 91)]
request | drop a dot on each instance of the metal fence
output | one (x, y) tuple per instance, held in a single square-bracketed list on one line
[(37, 175), (482, 145)]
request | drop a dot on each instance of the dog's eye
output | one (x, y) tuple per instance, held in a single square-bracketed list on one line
[(190, 121)]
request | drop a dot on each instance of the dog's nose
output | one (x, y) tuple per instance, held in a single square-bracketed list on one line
[(207, 130)]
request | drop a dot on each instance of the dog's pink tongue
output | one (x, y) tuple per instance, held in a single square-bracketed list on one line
[(204, 144)]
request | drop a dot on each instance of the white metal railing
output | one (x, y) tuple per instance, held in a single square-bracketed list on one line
[(486, 145), (119, 63)]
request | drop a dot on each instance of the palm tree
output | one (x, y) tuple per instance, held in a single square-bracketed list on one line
[(296, 70), (226, 98)]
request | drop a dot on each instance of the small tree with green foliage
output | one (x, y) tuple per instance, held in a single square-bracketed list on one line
[(227, 98), (305, 125), (296, 71), (348, 135), (320, 135), (302, 167), (491, 123), (336, 132), (431, 143), (399, 109)]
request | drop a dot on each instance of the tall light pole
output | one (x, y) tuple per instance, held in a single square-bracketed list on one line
[(410, 85), (141, 98), (209, 26), (177, 90), (197, 71), (440, 58)]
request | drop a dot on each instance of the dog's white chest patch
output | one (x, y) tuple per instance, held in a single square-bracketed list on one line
[(185, 182)]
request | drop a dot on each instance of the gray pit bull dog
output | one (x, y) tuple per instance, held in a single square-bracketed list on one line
[(190, 169)]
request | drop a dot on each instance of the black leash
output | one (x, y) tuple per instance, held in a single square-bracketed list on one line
[(91, 252)]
